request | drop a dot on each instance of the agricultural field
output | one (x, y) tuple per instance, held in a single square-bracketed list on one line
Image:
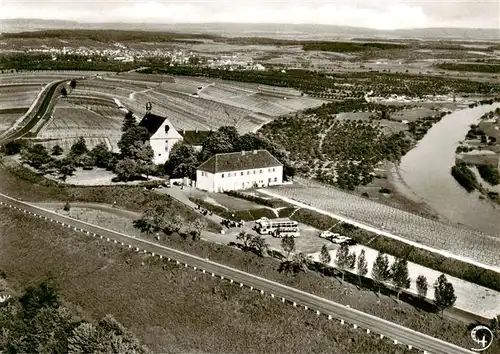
[(75, 116), (18, 95), (9, 116), (173, 97)]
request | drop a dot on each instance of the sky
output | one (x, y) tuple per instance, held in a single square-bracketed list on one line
[(379, 14)]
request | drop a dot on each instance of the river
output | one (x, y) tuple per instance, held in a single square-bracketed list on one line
[(425, 174)]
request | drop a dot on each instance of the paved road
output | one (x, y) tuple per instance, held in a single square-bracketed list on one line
[(365, 321)]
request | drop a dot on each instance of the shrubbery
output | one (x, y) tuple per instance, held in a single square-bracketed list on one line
[(489, 174), (272, 203), (464, 176)]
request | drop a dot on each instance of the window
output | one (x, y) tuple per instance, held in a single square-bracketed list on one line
[(268, 170), (253, 171), (222, 176), (275, 179), (261, 171), (269, 180), (229, 174), (273, 169), (248, 172), (242, 173)]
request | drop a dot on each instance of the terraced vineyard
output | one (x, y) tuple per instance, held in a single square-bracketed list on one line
[(95, 120), (18, 95), (9, 116), (456, 240)]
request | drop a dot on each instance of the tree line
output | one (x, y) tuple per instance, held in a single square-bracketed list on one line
[(37, 321)]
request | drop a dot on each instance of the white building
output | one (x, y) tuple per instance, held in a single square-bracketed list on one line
[(163, 136), (239, 170)]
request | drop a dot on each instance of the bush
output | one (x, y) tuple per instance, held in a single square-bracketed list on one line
[(15, 147), (67, 207), (286, 212), (489, 174), (152, 184), (313, 218), (464, 176), (272, 203), (384, 191)]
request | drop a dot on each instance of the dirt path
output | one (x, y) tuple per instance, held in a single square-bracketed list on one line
[(323, 136)]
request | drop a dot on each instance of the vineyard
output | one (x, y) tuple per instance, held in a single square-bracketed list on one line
[(9, 116), (18, 96), (458, 241), (94, 120)]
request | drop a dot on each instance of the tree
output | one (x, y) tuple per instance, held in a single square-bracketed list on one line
[(15, 147), (57, 150), (288, 245), (173, 224), (362, 266), (196, 227), (36, 156), (102, 155), (64, 92), (129, 139), (126, 169), (324, 255), (65, 169), (79, 147), (245, 238), (399, 275), (217, 142), (129, 121), (156, 218), (259, 244), (381, 271), (72, 84), (67, 207), (143, 154), (422, 286), (344, 260), (182, 161), (300, 262), (444, 294)]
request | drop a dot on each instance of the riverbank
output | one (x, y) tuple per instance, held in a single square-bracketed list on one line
[(424, 176)]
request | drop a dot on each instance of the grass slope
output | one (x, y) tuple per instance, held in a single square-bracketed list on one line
[(171, 309)]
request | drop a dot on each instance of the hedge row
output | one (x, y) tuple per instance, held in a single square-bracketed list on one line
[(286, 212), (272, 203), (247, 215), (453, 267)]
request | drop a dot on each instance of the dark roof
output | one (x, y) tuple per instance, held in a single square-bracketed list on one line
[(192, 137), (237, 161), (152, 122)]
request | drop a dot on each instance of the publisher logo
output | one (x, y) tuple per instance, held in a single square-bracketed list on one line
[(483, 337)]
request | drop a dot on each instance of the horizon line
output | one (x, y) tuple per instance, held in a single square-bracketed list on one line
[(145, 21)]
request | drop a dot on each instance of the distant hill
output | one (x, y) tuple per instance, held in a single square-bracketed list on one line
[(282, 31)]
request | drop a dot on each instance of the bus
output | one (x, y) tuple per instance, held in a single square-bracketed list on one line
[(277, 227)]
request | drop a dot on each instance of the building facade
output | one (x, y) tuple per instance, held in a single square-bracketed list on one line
[(163, 136), (239, 170)]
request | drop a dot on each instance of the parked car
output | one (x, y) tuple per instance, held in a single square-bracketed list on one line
[(337, 238)]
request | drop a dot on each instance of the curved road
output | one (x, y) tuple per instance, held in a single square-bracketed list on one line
[(388, 329)]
